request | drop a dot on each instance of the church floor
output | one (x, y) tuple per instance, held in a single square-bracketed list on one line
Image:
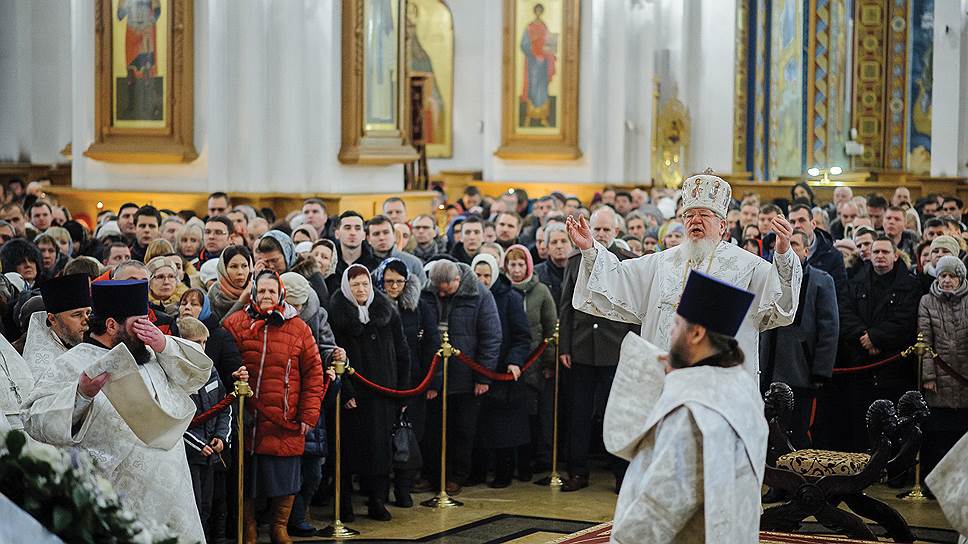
[(528, 514)]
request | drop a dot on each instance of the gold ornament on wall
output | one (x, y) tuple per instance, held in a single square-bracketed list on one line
[(670, 143)]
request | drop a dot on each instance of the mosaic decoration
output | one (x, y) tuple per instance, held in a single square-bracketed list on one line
[(922, 50)]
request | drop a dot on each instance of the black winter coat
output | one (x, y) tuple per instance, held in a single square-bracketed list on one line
[(552, 276), (828, 258), (470, 316), (889, 316), (219, 426), (379, 352), (504, 419), (221, 349)]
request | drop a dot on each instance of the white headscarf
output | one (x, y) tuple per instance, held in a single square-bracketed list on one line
[(344, 287), (490, 261)]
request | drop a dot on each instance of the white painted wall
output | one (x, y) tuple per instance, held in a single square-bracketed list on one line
[(35, 105), (946, 89)]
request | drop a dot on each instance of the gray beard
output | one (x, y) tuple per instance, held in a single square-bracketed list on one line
[(698, 251)]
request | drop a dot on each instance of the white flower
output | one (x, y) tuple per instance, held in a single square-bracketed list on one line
[(59, 462)]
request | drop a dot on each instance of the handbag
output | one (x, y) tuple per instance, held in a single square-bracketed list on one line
[(406, 448)]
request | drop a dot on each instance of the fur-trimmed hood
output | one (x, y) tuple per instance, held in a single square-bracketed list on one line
[(343, 314)]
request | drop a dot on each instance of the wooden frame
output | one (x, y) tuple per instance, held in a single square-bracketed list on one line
[(362, 142), (556, 135), (172, 140), (430, 49)]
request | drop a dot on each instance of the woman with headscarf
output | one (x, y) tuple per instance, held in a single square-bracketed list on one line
[(228, 293), (503, 425), (304, 233), (423, 338), (542, 314), (286, 377), (275, 250), (53, 260), (943, 322), (324, 251), (368, 327), (164, 289)]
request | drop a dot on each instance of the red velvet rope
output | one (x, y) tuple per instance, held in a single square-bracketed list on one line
[(890, 359), (201, 418), (396, 393), (502, 376)]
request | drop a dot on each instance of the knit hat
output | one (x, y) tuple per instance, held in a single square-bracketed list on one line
[(950, 264), (297, 288), (947, 242), (209, 271)]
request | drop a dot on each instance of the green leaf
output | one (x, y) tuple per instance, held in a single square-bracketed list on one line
[(16, 442)]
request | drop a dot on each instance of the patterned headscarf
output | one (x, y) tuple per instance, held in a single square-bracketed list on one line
[(394, 264)]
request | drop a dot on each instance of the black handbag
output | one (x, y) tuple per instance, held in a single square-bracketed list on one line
[(406, 448)]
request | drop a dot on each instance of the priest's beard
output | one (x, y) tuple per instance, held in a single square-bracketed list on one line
[(679, 353), (137, 348), (698, 251)]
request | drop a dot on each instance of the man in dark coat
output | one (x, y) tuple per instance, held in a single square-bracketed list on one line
[(468, 313), (802, 355), (878, 318), (821, 251), (590, 348), (351, 249), (551, 272)]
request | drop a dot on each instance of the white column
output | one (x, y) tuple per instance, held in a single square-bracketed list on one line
[(946, 88), (712, 85)]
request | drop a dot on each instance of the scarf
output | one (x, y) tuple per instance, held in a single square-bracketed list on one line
[(229, 289), (490, 261), (527, 258), (285, 244), (278, 313), (344, 287), (381, 270), (949, 296)]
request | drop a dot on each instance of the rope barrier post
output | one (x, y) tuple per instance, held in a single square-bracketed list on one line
[(443, 500), (337, 530), (554, 479), (921, 348), (242, 390)]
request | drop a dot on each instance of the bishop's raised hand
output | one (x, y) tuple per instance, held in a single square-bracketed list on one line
[(579, 232)]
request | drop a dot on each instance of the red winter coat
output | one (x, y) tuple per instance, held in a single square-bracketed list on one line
[(286, 377)]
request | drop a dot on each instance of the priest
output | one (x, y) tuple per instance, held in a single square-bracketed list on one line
[(67, 304), (16, 382), (645, 291), (124, 396), (694, 430), (949, 484)]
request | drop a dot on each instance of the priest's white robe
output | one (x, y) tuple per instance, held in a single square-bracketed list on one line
[(42, 346), (697, 452), (647, 290), (949, 483), (154, 482), (16, 383)]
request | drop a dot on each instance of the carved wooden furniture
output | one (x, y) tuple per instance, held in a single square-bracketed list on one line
[(818, 481)]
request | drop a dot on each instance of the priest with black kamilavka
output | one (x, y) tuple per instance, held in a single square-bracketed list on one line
[(691, 423), (124, 396), (62, 324)]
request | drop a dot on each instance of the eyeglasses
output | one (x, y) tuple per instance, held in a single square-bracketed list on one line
[(394, 282)]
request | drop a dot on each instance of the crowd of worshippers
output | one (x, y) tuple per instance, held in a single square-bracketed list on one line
[(287, 296)]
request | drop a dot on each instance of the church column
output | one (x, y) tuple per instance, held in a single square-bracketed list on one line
[(946, 138)]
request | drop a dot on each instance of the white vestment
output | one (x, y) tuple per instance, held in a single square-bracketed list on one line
[(949, 484), (16, 382), (154, 483), (697, 452), (647, 290), (42, 346)]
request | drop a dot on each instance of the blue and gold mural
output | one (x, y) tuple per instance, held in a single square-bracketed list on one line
[(809, 71)]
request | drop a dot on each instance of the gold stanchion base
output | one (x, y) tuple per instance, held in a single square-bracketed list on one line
[(338, 530), (915, 495), (442, 500), (554, 480)]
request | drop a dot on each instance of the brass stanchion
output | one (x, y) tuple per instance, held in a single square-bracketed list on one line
[(921, 348), (554, 479), (242, 390), (443, 500), (337, 529)]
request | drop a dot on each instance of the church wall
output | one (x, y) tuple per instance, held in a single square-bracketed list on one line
[(947, 88), (267, 105)]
